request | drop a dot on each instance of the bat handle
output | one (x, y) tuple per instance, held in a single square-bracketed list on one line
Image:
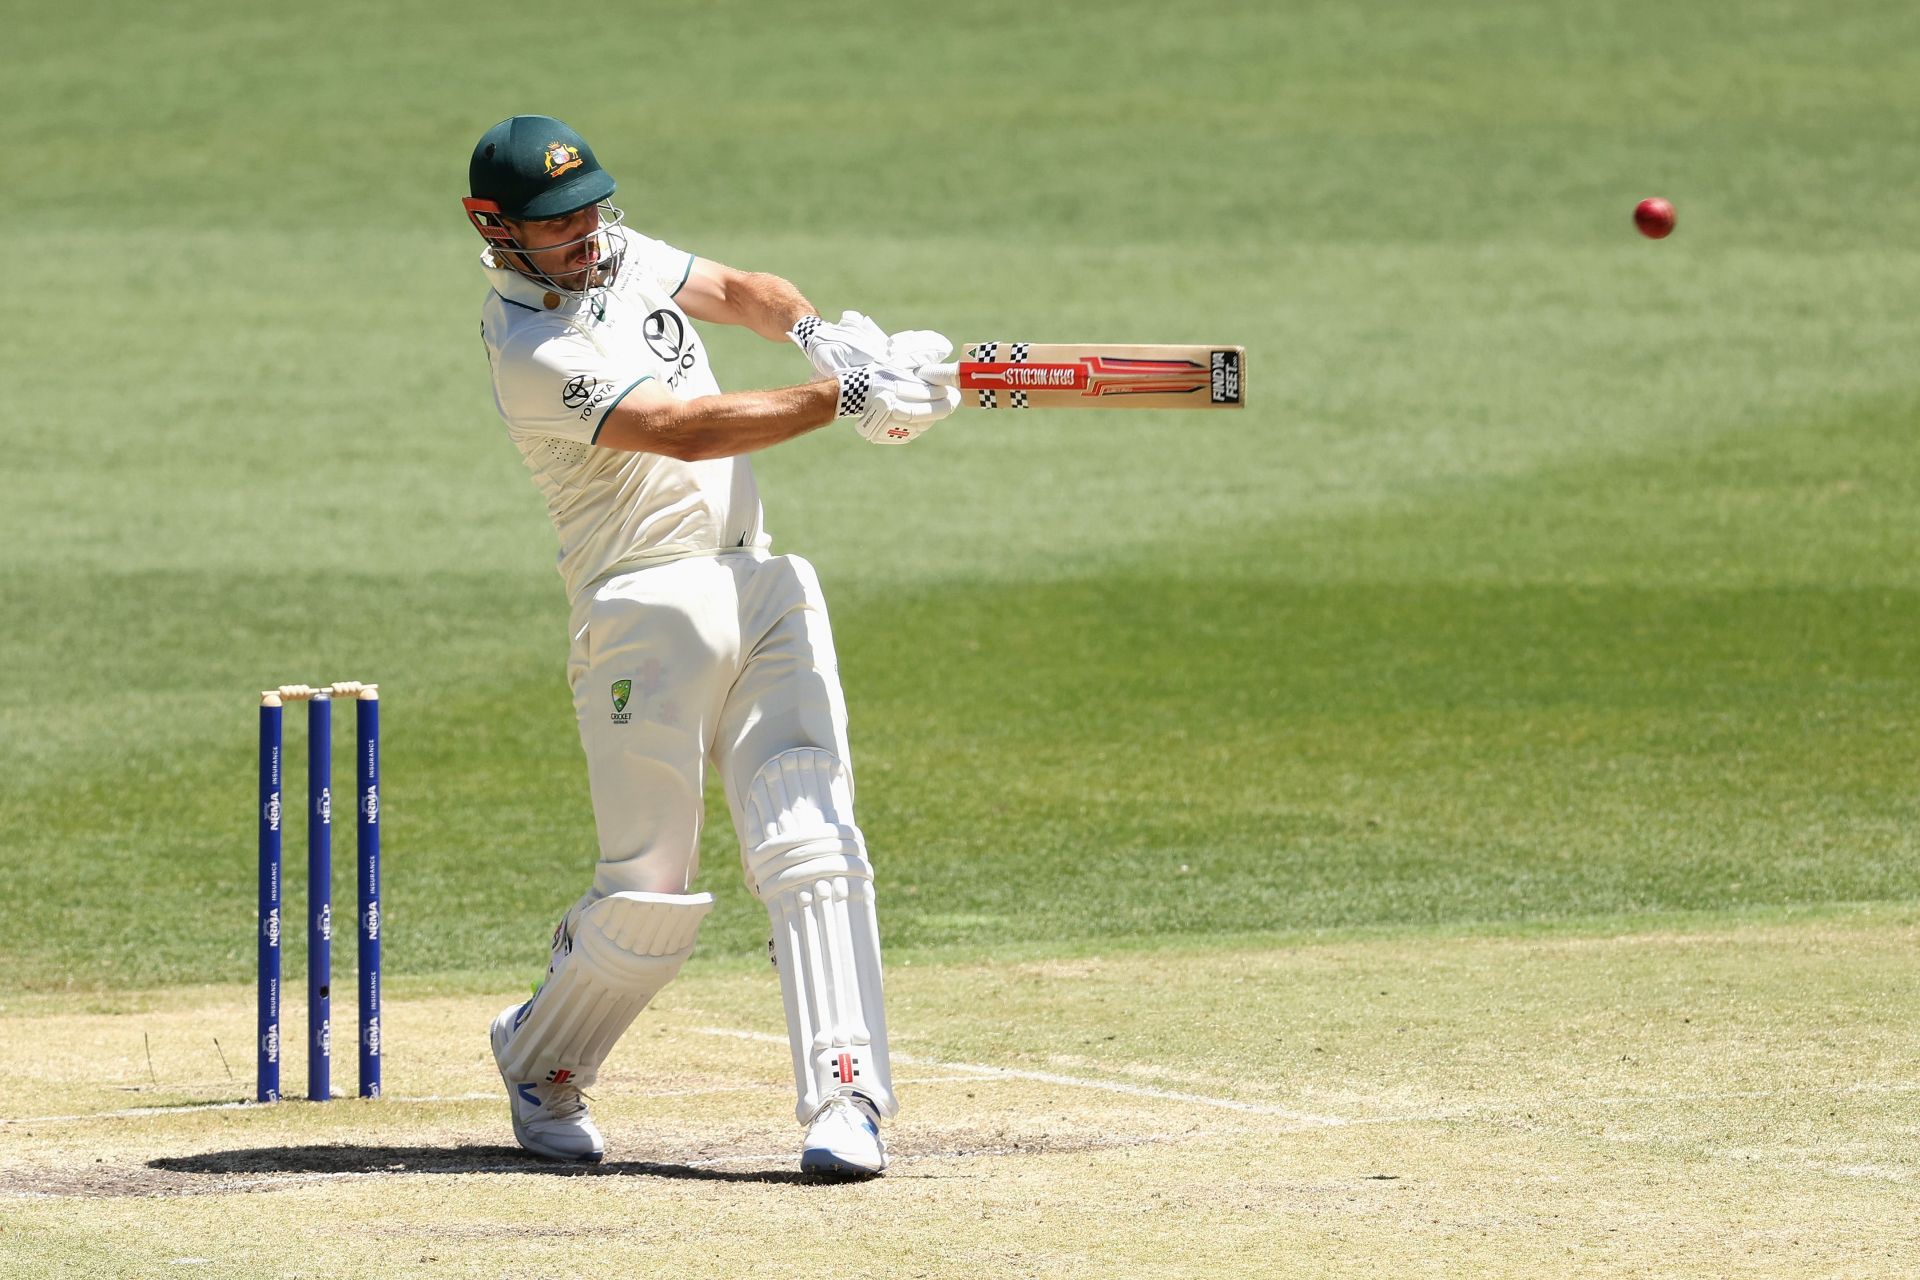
[(940, 375)]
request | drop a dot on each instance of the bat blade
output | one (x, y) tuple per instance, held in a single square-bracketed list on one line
[(1037, 375)]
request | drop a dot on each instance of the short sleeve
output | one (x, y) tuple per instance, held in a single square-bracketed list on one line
[(559, 384), (661, 263)]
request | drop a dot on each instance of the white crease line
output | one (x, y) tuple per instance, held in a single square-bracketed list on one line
[(969, 1078), (133, 1113), (188, 1108), (1511, 1109), (979, 1071), (1744, 1095), (982, 1072)]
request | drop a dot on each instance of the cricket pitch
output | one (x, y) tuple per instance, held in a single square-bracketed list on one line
[(1718, 1101)]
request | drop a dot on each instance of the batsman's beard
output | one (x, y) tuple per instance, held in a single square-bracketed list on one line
[(606, 246)]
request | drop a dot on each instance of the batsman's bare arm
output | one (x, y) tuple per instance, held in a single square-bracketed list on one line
[(651, 420), (767, 304)]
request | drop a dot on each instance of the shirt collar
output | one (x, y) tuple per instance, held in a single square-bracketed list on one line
[(525, 292)]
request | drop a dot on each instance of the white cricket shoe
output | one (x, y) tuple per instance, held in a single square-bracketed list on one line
[(843, 1139), (549, 1116)]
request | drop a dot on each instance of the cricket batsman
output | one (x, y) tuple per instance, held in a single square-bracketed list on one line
[(693, 644)]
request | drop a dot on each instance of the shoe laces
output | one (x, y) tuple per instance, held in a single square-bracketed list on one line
[(563, 1102), (861, 1105)]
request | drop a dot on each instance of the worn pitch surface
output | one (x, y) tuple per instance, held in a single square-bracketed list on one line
[(1696, 1100)]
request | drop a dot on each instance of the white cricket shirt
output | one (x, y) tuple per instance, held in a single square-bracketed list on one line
[(560, 364)]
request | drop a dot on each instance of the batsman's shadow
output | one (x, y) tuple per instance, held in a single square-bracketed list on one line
[(346, 1159)]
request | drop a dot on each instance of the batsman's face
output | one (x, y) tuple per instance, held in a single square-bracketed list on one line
[(564, 248)]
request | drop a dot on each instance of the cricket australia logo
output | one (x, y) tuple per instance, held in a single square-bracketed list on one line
[(561, 157), (622, 691)]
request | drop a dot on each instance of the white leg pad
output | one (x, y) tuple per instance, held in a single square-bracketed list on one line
[(807, 862), (611, 956)]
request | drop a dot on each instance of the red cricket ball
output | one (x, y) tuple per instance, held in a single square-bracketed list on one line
[(1654, 217)]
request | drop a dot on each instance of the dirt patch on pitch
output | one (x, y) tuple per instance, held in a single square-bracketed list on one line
[(251, 1169)]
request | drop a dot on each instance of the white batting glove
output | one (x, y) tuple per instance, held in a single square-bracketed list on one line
[(849, 343), (892, 406), (911, 348)]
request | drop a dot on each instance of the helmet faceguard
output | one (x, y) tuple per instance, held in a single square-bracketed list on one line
[(530, 169), (601, 268)]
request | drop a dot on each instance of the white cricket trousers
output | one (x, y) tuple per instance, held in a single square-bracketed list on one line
[(725, 659)]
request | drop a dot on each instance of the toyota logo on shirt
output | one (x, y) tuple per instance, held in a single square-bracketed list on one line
[(578, 391)]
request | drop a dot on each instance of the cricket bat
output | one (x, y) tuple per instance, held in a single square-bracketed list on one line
[(1040, 375)]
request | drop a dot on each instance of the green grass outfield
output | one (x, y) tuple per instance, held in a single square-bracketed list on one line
[(1555, 580)]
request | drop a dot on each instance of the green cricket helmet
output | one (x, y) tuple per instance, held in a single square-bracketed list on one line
[(530, 169)]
